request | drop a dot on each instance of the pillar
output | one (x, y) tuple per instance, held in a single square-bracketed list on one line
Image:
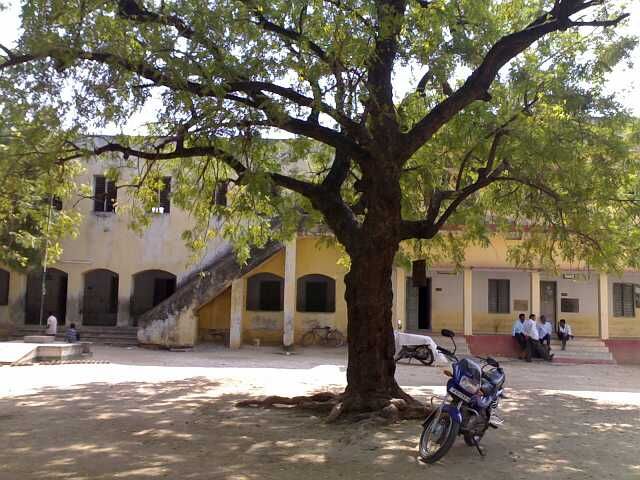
[(75, 292), (237, 304), (399, 299), (535, 293), (125, 289), (603, 305), (467, 299), (290, 257)]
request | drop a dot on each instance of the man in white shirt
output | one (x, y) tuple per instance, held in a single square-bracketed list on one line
[(534, 346), (564, 333), (544, 331), (52, 324)]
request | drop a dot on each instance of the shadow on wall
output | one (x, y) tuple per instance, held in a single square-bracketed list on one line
[(185, 429)]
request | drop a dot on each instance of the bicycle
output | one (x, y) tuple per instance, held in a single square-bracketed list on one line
[(328, 336)]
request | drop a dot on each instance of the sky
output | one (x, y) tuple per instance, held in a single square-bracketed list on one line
[(624, 80)]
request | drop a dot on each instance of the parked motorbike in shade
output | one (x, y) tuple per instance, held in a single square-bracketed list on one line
[(468, 408), (422, 353)]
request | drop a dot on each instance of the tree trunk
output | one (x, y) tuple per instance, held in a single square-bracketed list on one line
[(371, 368)]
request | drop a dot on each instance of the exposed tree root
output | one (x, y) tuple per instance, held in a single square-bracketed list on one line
[(343, 406)]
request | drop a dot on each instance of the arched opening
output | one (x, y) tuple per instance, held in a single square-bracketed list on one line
[(100, 301), (149, 289), (55, 298), (316, 293), (265, 292)]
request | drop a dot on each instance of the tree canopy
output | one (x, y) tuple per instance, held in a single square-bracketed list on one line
[(505, 89), (505, 125)]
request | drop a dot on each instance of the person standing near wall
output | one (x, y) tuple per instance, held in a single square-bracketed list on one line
[(516, 332), (52, 324)]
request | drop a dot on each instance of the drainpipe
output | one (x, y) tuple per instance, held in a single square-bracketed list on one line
[(43, 292)]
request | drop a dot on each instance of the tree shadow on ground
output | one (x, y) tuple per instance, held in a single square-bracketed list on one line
[(186, 429)]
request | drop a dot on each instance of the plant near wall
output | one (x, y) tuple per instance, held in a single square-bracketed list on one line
[(29, 178), (505, 123)]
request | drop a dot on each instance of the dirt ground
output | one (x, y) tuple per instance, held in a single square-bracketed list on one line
[(151, 414)]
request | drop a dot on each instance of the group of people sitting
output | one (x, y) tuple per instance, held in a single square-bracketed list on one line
[(534, 337)]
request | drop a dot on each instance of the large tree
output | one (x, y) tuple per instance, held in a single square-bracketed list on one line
[(506, 124)]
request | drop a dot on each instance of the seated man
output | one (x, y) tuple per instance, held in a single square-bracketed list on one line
[(564, 333), (516, 332), (534, 347), (72, 335), (544, 331)]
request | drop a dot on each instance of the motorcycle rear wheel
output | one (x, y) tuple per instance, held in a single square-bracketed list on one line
[(425, 355), (443, 434)]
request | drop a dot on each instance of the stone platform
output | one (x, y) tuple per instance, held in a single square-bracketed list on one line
[(39, 339), (20, 353)]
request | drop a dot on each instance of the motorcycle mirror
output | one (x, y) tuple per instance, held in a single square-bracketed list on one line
[(492, 362), (447, 333)]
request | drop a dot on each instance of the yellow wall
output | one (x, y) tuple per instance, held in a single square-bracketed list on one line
[(265, 326), (621, 327), (314, 257), (582, 325), (493, 322), (215, 314)]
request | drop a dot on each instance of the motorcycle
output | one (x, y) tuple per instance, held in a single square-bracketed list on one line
[(422, 353), (474, 390)]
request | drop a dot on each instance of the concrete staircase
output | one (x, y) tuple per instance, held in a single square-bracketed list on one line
[(582, 350), (119, 336)]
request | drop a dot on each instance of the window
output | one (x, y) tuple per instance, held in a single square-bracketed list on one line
[(499, 296), (4, 287), (164, 197), (570, 305), (316, 293), (623, 302), (265, 292), (105, 194)]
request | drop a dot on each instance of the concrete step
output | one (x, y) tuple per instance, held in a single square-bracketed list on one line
[(121, 336), (578, 354), (581, 348), (580, 341)]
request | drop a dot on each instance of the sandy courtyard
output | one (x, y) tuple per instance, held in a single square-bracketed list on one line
[(151, 414)]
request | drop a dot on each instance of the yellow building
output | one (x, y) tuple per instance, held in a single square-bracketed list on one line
[(112, 277)]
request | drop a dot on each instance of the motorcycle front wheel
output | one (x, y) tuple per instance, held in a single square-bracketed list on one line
[(438, 437)]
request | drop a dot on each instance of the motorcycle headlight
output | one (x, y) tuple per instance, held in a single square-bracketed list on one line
[(469, 384)]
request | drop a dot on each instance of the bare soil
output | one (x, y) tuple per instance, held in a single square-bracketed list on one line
[(156, 414)]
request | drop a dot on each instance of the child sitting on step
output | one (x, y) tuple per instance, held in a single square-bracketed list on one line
[(72, 334)]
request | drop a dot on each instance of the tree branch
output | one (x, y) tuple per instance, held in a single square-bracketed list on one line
[(160, 78), (429, 227), (476, 87)]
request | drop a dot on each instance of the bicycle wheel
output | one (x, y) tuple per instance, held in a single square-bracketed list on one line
[(335, 338), (309, 338)]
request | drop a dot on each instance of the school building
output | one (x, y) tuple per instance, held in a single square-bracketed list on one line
[(113, 279)]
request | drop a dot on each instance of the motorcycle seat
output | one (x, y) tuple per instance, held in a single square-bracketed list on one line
[(495, 376)]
